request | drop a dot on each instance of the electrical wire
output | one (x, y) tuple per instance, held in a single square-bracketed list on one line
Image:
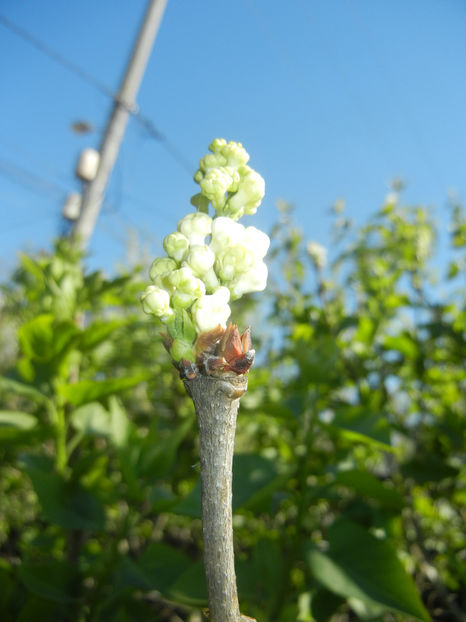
[(85, 76), (32, 158), (29, 180), (56, 56)]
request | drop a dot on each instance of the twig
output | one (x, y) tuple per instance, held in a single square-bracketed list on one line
[(216, 400)]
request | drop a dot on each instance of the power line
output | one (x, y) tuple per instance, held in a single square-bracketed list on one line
[(88, 78), (26, 223), (34, 159), (168, 145), (29, 180), (123, 103), (56, 56)]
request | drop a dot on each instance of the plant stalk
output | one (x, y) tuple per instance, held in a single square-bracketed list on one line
[(216, 401)]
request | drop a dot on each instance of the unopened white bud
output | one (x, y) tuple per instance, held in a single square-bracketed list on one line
[(257, 241), (235, 154), (211, 310), (176, 244), (254, 280), (156, 301), (215, 184), (200, 259), (195, 227), (232, 261), (185, 286), (225, 232), (160, 266), (250, 194)]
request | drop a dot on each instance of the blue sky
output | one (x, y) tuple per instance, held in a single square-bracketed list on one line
[(332, 99)]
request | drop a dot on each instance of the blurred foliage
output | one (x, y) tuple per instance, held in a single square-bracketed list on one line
[(349, 476)]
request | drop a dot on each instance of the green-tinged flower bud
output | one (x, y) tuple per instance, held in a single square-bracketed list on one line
[(250, 193), (235, 154), (217, 144), (184, 280), (233, 261), (187, 288), (225, 232), (156, 301), (254, 280), (216, 183), (176, 245), (195, 227), (423, 242), (210, 281), (211, 310), (160, 266), (257, 241), (212, 160), (198, 175), (236, 180), (200, 259), (317, 253), (181, 350)]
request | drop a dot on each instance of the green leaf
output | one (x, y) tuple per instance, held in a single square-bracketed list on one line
[(324, 605), (367, 485), (190, 588), (260, 576), (43, 338), (63, 503), (94, 420), (200, 202), (404, 343), (98, 332), (91, 390), (120, 425), (33, 267), (25, 390), (160, 567), (161, 500), (254, 479), (34, 608), (14, 425), (159, 449), (7, 587), (91, 419), (358, 565), (357, 423), (453, 270), (430, 468), (52, 580)]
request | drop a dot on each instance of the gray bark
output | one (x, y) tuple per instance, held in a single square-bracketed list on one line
[(216, 401)]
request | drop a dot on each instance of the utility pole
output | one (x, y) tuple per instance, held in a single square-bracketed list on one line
[(124, 103)]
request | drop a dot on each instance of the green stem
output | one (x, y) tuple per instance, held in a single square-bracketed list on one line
[(61, 456)]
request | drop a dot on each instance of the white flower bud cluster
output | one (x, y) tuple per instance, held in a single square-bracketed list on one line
[(210, 261), (318, 254), (232, 187)]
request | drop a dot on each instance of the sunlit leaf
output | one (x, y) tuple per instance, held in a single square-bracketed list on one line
[(357, 423), (358, 565), (14, 424), (369, 486), (25, 390), (90, 390)]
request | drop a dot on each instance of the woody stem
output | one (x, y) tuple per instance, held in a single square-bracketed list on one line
[(216, 401)]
